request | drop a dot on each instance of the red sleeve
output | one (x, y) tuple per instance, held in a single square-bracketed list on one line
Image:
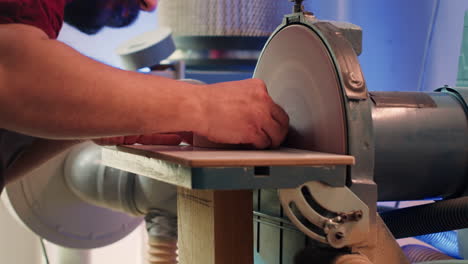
[(44, 14)]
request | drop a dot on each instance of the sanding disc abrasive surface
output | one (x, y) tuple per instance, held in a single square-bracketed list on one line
[(301, 78)]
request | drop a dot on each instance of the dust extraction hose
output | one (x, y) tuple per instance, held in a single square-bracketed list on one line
[(427, 219), (418, 253), (162, 237), (446, 242)]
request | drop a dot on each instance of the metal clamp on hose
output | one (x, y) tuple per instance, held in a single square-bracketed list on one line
[(461, 93)]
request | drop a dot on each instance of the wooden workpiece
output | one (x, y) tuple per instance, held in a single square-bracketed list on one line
[(205, 157), (202, 168)]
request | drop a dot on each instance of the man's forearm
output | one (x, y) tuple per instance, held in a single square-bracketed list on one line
[(49, 90), (38, 153)]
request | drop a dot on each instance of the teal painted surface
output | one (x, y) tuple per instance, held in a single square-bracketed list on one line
[(258, 259), (462, 79)]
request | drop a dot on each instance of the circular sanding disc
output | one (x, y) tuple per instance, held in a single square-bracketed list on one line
[(301, 77)]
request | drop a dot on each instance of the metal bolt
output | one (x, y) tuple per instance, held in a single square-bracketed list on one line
[(358, 215), (298, 7), (331, 224), (355, 81), (353, 216), (339, 235)]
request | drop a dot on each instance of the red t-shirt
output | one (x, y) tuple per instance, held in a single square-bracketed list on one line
[(44, 14), (48, 16)]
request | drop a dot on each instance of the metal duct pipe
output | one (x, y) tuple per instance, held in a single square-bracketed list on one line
[(126, 192), (115, 189), (421, 145), (97, 184)]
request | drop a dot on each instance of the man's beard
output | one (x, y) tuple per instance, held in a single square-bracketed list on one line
[(90, 16)]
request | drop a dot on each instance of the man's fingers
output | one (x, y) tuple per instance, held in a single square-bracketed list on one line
[(280, 125), (275, 132), (186, 137), (152, 139), (280, 115), (160, 139), (130, 140), (275, 125), (110, 141), (262, 140)]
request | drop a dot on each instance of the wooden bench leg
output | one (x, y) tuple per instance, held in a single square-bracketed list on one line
[(215, 227)]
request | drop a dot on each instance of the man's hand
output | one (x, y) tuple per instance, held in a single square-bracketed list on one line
[(242, 112), (153, 139), (102, 101)]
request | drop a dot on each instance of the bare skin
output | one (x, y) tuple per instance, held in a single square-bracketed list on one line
[(50, 91), (148, 5)]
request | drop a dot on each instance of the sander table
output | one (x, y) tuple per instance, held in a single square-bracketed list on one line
[(215, 206)]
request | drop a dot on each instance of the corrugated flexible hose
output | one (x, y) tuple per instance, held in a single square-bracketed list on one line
[(162, 237), (162, 251), (446, 242), (427, 219), (418, 253)]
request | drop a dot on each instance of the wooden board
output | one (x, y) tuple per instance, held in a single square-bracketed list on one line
[(204, 157), (196, 168), (215, 227)]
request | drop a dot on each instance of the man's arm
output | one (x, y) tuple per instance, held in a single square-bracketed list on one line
[(40, 151), (49, 90)]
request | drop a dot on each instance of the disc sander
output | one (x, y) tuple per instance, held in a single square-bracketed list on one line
[(301, 77)]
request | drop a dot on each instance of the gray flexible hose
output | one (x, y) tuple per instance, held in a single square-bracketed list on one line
[(427, 219), (161, 223), (162, 237)]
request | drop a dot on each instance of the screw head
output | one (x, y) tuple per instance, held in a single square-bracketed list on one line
[(358, 215), (339, 235)]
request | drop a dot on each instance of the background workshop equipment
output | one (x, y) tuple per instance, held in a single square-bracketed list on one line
[(353, 142)]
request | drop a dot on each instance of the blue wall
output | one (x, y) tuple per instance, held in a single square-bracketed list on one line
[(408, 44)]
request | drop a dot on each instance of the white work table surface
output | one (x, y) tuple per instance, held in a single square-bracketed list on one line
[(205, 168)]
